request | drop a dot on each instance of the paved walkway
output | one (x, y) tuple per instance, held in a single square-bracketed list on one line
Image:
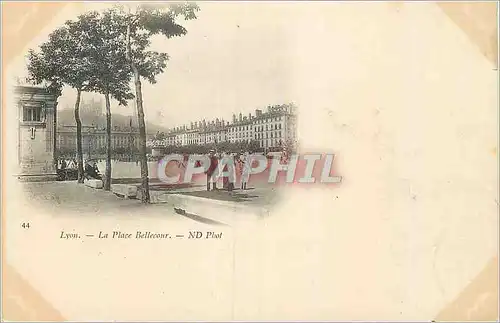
[(65, 200), (255, 196)]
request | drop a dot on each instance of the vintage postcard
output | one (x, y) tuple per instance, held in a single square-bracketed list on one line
[(250, 161)]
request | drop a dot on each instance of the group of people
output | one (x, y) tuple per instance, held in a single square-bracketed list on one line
[(240, 165), (68, 168), (64, 164)]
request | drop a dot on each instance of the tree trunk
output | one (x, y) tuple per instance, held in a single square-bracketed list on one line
[(142, 138), (79, 150), (54, 129), (107, 176), (142, 125)]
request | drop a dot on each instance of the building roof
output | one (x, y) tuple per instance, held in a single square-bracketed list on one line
[(19, 89)]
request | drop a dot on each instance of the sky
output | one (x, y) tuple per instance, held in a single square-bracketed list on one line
[(229, 62), (329, 58)]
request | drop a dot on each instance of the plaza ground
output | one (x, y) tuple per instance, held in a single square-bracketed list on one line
[(174, 272), (87, 265)]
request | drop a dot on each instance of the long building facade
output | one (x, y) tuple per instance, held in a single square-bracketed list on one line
[(272, 129), (94, 139)]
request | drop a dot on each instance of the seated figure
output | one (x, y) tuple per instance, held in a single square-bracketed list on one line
[(92, 171)]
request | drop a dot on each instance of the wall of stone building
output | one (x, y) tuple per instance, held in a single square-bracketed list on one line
[(35, 159), (36, 154)]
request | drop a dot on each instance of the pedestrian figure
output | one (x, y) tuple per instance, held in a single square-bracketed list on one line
[(185, 160), (228, 180), (212, 171), (63, 164), (225, 179), (284, 157), (245, 170), (91, 171), (63, 169)]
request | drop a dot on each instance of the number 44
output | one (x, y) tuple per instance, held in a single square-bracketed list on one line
[(25, 225)]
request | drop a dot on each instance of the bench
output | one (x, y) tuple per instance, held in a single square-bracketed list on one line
[(124, 190), (94, 183)]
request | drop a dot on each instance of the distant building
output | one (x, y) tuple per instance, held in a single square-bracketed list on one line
[(276, 127), (241, 129), (273, 130), (94, 139), (92, 107)]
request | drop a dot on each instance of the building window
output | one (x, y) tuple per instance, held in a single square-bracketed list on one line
[(31, 113)]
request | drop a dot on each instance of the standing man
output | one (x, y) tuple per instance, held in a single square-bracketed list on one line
[(245, 170), (225, 179), (228, 181), (212, 170), (185, 160), (64, 172), (63, 164)]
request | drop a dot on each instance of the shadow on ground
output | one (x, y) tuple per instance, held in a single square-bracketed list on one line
[(238, 196)]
